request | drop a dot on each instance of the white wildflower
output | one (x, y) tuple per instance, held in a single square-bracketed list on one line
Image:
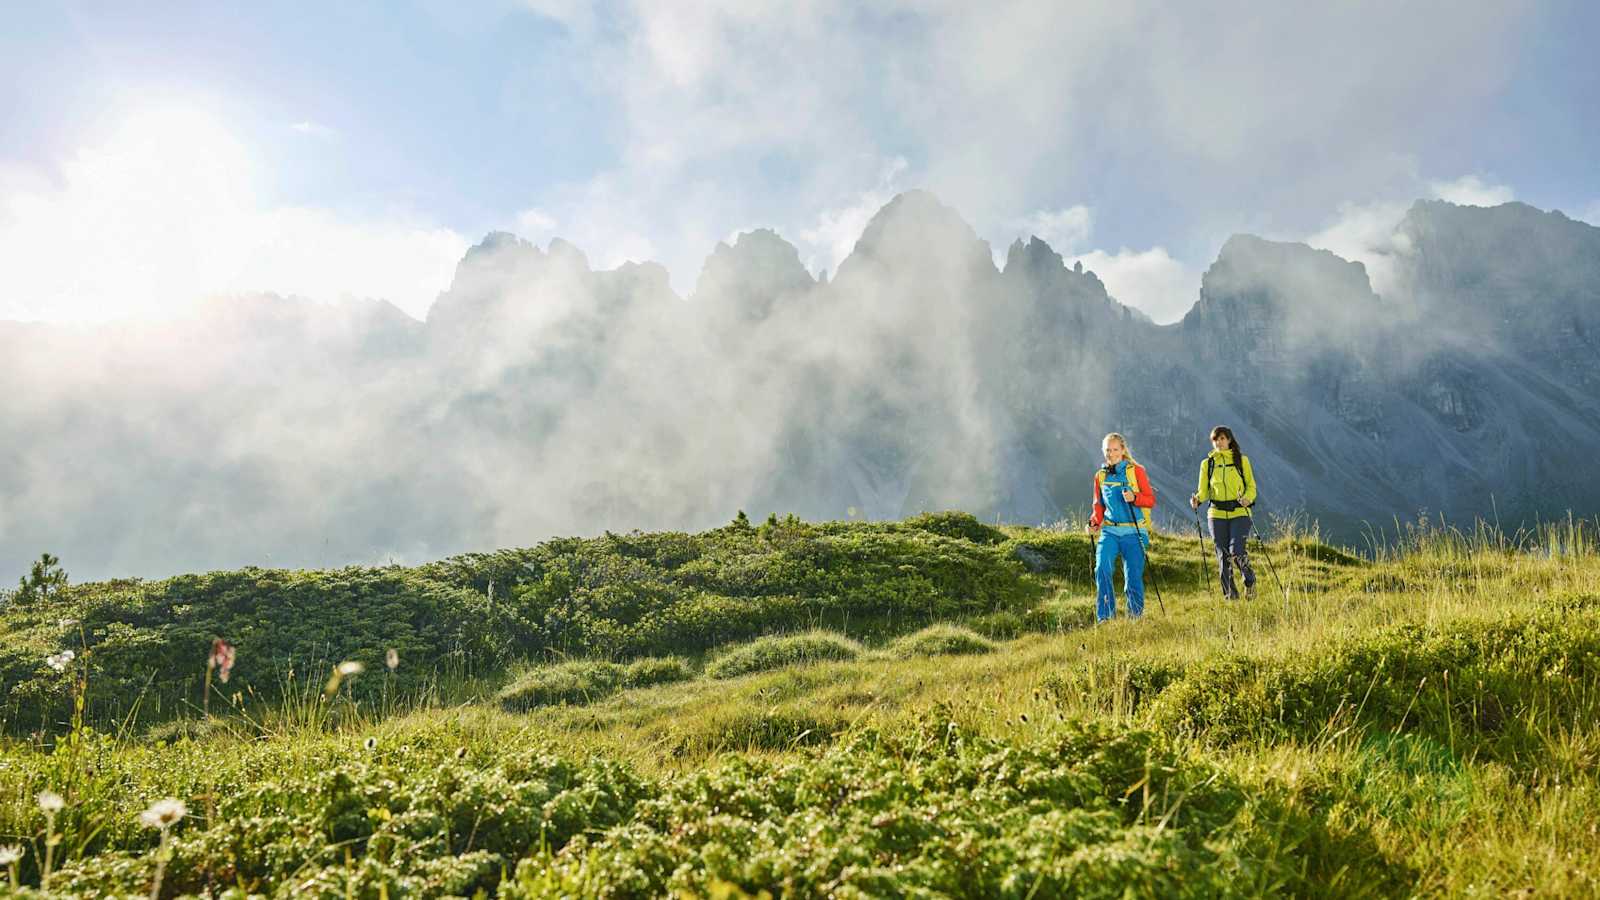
[(10, 854), (351, 667), (392, 659), (163, 814), (50, 802)]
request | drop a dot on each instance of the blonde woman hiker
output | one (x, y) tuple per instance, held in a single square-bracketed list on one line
[(1227, 480), (1122, 503)]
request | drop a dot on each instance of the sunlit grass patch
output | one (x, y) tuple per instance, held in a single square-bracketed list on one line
[(585, 681), (940, 640), (777, 651)]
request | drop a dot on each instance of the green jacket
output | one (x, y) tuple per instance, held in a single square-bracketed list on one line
[(1225, 484)]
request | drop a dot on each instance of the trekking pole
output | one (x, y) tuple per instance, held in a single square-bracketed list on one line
[(1152, 569), (1094, 550), (1205, 570), (1262, 545)]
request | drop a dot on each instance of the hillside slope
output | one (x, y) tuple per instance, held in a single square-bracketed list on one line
[(1423, 724)]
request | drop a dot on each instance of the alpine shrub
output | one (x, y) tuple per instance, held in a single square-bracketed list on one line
[(940, 640), (783, 650)]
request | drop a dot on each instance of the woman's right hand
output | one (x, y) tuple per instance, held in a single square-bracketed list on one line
[(1194, 501)]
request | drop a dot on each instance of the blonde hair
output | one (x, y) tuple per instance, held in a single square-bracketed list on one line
[(1127, 452)]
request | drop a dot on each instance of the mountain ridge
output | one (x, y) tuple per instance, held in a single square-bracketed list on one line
[(542, 396)]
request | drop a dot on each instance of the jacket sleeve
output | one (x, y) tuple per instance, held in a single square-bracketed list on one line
[(1204, 490), (1144, 497), (1249, 477), (1099, 514)]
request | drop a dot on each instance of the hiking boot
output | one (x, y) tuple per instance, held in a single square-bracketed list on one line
[(1249, 592)]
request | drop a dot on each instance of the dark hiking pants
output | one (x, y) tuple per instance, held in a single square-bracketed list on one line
[(1229, 535)]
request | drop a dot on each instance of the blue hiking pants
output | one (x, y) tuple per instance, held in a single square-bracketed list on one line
[(1229, 536), (1131, 548)]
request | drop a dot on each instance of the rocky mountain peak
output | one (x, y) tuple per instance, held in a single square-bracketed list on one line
[(567, 253), (751, 274), (496, 241), (1289, 278), (1510, 277), (1035, 255), (913, 227)]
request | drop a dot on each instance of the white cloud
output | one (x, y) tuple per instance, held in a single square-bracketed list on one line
[(165, 212), (1148, 280), (535, 224), (1065, 230), (314, 129), (733, 111), (1365, 233), (577, 15), (1470, 190), (313, 253), (827, 242)]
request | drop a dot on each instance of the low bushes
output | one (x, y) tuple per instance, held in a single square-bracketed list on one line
[(586, 680), (656, 670), (925, 810), (433, 813), (1475, 687), (1092, 812), (940, 640), (1057, 615), (148, 641), (778, 651), (959, 525), (612, 597)]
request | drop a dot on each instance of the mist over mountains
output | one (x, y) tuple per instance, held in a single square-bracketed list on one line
[(542, 397)]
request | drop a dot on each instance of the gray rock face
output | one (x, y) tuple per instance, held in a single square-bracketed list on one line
[(542, 397), (1436, 400)]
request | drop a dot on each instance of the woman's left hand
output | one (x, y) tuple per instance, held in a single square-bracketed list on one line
[(1128, 496), (1245, 503)]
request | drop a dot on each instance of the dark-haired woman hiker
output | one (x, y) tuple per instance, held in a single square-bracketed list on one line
[(1122, 502), (1227, 480)]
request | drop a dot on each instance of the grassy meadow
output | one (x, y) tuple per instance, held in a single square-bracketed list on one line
[(921, 708)]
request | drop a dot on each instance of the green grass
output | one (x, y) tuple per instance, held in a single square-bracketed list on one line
[(585, 681), (779, 651), (468, 619), (1424, 724), (940, 640)]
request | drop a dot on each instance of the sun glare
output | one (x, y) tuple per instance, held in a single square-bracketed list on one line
[(131, 226), (161, 210)]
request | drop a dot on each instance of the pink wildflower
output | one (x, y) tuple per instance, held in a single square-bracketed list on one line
[(221, 658)]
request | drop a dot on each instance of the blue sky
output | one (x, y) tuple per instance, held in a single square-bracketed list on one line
[(152, 155)]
